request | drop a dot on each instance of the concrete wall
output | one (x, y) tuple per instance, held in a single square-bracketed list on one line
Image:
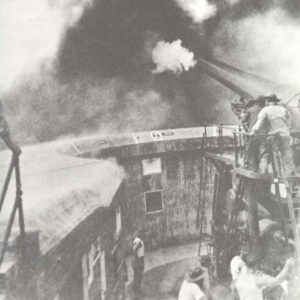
[(180, 185), (64, 273)]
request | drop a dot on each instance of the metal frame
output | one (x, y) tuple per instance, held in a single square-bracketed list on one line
[(18, 206)]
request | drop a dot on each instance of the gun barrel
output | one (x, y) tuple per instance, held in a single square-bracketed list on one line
[(244, 83)]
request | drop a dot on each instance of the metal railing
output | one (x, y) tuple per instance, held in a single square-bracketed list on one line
[(17, 207), (227, 137)]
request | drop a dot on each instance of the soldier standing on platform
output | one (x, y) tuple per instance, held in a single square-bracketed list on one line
[(276, 120), (256, 159)]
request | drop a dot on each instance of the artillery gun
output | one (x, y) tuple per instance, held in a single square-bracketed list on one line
[(262, 210)]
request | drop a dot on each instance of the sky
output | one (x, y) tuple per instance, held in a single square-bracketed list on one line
[(83, 66)]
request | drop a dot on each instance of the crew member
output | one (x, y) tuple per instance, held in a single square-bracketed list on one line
[(256, 158), (138, 263), (193, 286), (251, 282), (5, 135), (275, 119), (236, 265)]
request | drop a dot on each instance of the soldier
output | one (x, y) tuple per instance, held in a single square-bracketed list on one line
[(5, 135), (193, 286), (256, 159), (138, 263), (236, 265), (276, 120)]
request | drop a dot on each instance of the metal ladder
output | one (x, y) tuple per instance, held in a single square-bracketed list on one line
[(277, 176), (289, 183), (202, 190)]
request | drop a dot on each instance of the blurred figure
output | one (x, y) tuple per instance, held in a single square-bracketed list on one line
[(194, 285), (251, 282), (205, 264), (252, 109), (138, 263), (236, 265)]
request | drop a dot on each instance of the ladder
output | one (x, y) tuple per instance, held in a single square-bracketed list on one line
[(202, 190), (290, 183), (17, 207), (278, 176)]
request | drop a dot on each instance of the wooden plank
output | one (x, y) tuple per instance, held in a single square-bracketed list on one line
[(220, 158), (251, 174)]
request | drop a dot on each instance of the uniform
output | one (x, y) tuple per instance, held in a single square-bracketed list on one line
[(138, 264), (190, 291), (276, 119)]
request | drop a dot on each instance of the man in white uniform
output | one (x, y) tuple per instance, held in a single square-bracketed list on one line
[(276, 120), (138, 263), (193, 285), (236, 265), (251, 282)]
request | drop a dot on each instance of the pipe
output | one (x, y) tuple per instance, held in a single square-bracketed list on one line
[(253, 224)]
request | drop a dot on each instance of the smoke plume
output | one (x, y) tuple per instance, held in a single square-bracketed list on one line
[(266, 43), (172, 57), (88, 64), (198, 10), (31, 32)]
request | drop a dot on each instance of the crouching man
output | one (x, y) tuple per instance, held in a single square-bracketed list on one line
[(195, 285)]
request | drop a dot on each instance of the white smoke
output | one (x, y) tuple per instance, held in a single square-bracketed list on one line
[(198, 10), (232, 2), (30, 33), (172, 57), (267, 43)]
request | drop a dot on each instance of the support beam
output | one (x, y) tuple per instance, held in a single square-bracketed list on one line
[(253, 225)]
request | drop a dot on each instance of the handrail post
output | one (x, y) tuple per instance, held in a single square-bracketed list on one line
[(236, 155), (20, 207), (7, 180), (17, 206), (221, 139)]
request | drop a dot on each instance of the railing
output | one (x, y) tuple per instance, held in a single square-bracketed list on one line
[(231, 138), (228, 137), (17, 206)]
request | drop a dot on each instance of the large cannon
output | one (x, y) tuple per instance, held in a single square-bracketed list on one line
[(248, 85)]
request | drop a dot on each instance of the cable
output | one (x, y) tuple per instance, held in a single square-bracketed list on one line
[(60, 169)]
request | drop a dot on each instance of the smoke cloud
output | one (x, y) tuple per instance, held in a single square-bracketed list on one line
[(84, 107), (88, 65), (172, 57), (266, 43), (198, 10), (31, 32)]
